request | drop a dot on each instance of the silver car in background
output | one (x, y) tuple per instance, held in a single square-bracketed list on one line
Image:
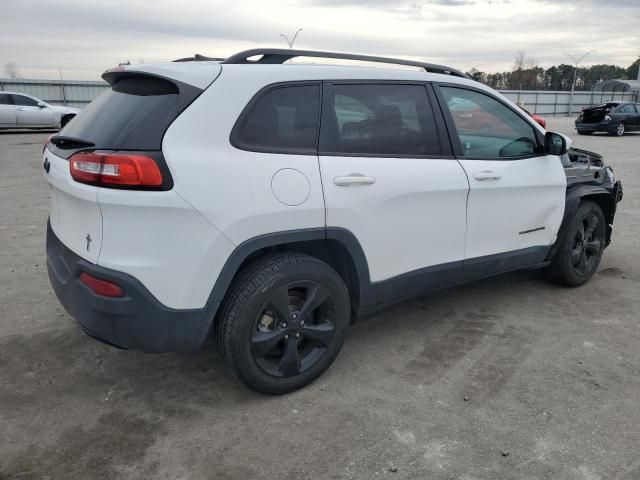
[(19, 110)]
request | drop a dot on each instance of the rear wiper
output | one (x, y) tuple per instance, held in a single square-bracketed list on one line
[(63, 140)]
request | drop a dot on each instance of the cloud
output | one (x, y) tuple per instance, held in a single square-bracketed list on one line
[(84, 38)]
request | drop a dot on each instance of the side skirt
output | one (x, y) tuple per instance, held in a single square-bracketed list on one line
[(420, 282)]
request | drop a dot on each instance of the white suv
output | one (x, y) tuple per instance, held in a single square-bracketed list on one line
[(272, 204)]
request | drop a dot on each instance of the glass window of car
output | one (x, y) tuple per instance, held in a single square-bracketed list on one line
[(5, 99), (381, 120), (488, 128), (24, 101), (283, 119), (628, 108)]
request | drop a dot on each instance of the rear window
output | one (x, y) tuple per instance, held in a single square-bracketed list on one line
[(132, 115), (284, 119), (5, 99)]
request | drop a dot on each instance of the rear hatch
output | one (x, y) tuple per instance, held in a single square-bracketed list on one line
[(115, 134), (596, 114)]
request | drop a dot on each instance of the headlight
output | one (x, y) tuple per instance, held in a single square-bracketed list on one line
[(607, 117)]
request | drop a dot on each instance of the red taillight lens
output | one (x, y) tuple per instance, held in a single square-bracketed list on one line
[(101, 287), (115, 169)]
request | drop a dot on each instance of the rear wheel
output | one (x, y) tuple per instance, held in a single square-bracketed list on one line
[(581, 249), (284, 322), (620, 129)]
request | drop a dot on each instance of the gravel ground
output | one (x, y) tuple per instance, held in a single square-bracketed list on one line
[(551, 376)]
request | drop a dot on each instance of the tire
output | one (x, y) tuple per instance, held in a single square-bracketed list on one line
[(66, 119), (581, 249), (283, 322), (620, 129)]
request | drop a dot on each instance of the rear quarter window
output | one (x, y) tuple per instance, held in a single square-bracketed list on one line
[(282, 119)]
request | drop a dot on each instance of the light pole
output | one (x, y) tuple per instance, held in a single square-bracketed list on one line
[(576, 61), (293, 40)]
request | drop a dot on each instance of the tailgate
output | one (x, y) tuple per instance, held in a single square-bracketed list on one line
[(74, 214)]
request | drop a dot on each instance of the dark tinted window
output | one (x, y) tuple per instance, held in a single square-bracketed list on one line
[(283, 119), (5, 99), (628, 108), (381, 120), (487, 127), (25, 101), (133, 114)]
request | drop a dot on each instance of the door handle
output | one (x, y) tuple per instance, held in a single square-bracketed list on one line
[(20, 109), (353, 179), (486, 175)]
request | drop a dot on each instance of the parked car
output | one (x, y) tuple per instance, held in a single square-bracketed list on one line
[(219, 197), (19, 110), (615, 118), (541, 121)]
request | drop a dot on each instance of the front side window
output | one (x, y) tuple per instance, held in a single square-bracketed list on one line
[(486, 127), (628, 108), (283, 119), (381, 120), (24, 101)]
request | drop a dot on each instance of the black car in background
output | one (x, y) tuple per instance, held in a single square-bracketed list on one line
[(616, 118)]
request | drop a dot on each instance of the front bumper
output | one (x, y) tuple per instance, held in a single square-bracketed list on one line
[(137, 321)]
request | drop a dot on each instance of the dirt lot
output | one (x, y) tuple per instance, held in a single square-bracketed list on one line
[(552, 376)]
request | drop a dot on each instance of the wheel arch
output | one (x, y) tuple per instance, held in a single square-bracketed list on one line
[(337, 247), (577, 195)]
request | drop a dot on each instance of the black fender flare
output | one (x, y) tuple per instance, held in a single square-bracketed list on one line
[(575, 195), (250, 246)]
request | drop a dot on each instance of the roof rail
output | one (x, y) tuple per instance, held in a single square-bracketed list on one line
[(281, 55), (199, 58)]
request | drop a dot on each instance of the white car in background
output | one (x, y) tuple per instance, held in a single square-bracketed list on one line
[(19, 110)]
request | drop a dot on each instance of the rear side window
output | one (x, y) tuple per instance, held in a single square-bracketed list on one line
[(132, 115), (5, 99), (380, 120), (24, 101), (628, 108), (284, 119)]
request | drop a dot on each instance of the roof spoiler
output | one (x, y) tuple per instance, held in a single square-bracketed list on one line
[(270, 56)]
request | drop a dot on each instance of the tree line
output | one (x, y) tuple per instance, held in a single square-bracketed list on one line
[(526, 74)]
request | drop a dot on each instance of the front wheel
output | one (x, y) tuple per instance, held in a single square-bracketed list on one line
[(284, 322), (581, 248)]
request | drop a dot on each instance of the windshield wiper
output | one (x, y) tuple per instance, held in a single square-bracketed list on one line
[(63, 140)]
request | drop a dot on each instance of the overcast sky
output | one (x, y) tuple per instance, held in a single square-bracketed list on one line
[(85, 37)]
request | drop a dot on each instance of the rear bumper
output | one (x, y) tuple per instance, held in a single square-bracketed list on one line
[(137, 321)]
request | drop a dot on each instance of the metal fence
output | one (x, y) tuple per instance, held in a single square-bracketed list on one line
[(77, 93), (74, 93), (551, 103)]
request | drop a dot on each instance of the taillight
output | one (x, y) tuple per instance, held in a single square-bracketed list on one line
[(115, 169), (101, 287)]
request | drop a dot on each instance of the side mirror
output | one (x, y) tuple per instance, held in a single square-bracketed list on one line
[(42, 105), (555, 144)]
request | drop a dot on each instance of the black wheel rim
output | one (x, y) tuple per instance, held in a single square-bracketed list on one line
[(587, 245), (294, 329)]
